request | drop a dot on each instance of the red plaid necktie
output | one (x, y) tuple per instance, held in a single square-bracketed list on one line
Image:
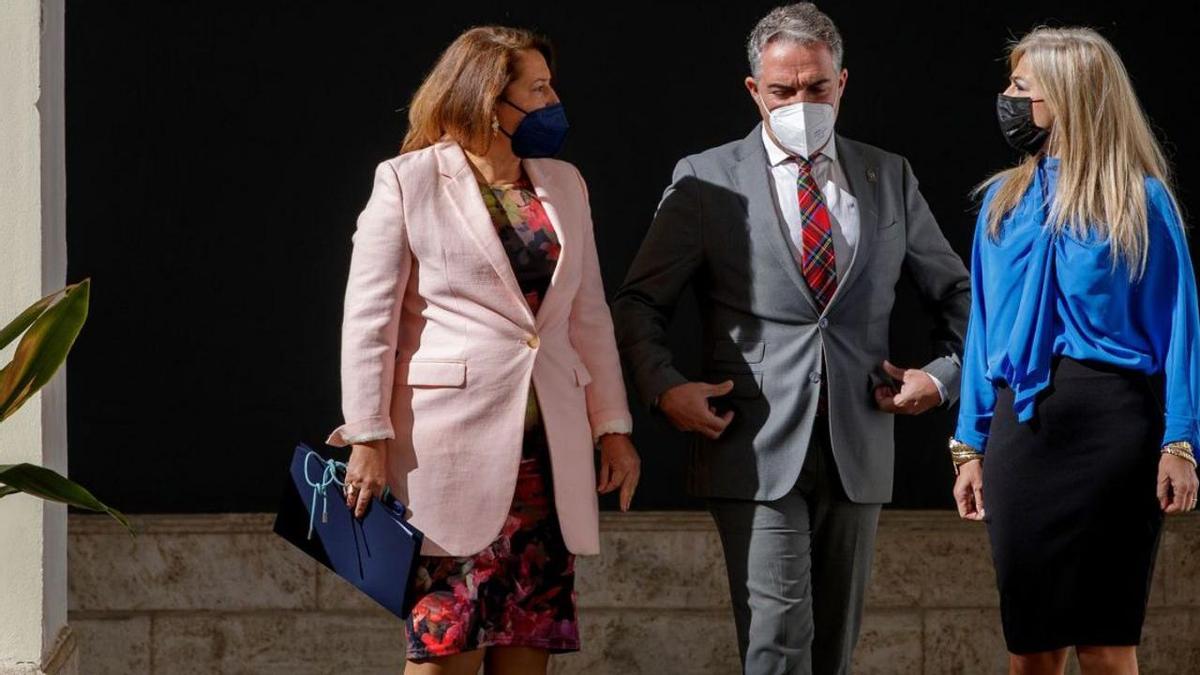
[(816, 233)]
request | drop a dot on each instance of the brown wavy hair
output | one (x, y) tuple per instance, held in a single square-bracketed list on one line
[(457, 100)]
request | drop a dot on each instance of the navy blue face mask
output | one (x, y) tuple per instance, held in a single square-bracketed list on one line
[(541, 132)]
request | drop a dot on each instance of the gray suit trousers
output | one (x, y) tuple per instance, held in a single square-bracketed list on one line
[(798, 569)]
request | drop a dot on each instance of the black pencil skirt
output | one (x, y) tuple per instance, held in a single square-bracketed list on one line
[(1071, 510)]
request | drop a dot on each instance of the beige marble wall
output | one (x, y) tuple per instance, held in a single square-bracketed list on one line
[(33, 246), (222, 594)]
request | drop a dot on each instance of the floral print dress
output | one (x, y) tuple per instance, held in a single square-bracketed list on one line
[(520, 590)]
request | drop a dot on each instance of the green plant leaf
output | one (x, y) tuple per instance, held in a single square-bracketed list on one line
[(47, 484), (43, 347), (19, 324)]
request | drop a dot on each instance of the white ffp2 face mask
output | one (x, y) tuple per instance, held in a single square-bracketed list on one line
[(803, 128)]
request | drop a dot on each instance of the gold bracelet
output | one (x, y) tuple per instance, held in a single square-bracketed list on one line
[(1182, 449), (1183, 446), (961, 453), (957, 447)]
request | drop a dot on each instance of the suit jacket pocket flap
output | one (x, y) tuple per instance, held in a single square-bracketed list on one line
[(433, 373), (889, 231), (582, 376)]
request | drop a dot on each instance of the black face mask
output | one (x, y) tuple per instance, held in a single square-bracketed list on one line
[(1016, 123)]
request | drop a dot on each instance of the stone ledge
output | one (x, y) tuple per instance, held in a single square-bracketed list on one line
[(688, 642), (663, 560), (173, 523), (636, 521), (174, 569), (221, 593), (259, 523)]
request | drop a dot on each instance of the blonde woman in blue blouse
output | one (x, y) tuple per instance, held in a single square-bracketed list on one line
[(1081, 369)]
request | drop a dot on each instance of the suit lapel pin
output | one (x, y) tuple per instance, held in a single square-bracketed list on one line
[(872, 176)]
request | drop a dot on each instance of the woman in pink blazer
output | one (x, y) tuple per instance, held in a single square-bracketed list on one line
[(479, 368)]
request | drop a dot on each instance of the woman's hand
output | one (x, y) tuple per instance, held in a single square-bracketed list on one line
[(968, 490), (1177, 484), (620, 467), (366, 475)]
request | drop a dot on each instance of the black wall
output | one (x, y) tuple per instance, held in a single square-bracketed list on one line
[(218, 153)]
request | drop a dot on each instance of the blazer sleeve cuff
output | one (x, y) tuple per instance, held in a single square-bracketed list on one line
[(942, 393), (659, 383), (621, 425), (610, 421), (362, 431), (946, 373)]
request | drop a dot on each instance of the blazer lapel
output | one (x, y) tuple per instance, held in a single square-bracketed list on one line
[(547, 191), (752, 175), (864, 182), (462, 191)]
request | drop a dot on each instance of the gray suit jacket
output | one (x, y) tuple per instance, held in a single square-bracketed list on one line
[(719, 227)]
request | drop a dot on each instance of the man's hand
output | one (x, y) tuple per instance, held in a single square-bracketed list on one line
[(917, 393), (687, 406)]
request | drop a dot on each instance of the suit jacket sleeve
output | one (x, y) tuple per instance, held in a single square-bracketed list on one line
[(591, 332), (379, 269), (669, 257), (943, 283)]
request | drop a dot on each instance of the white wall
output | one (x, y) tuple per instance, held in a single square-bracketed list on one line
[(33, 535)]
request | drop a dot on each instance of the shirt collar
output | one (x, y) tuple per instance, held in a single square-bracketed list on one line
[(776, 155)]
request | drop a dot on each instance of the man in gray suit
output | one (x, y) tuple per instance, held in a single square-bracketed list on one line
[(793, 239)]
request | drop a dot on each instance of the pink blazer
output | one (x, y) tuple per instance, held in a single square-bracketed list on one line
[(439, 345)]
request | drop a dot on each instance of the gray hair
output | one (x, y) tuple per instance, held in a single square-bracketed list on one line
[(802, 23)]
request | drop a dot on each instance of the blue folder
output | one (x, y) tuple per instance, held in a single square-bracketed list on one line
[(377, 554)]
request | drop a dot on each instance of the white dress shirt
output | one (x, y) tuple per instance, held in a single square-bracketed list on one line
[(839, 202)]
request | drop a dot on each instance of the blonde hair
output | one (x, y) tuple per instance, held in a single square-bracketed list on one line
[(1102, 138), (457, 100)]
